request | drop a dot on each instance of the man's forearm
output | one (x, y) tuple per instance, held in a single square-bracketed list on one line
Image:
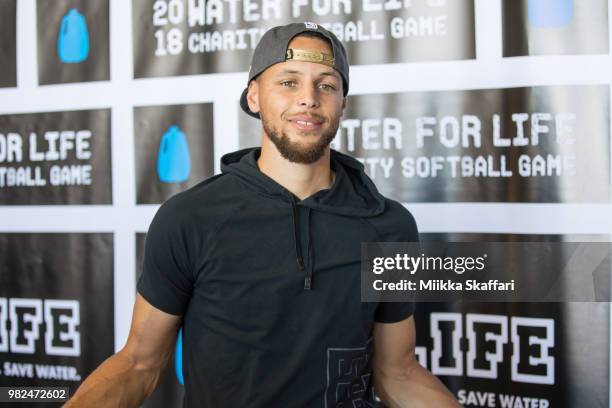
[(415, 388), (118, 382)]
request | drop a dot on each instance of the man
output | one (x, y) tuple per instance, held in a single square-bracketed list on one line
[(261, 265)]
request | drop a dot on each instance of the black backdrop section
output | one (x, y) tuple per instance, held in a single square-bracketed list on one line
[(554, 27), (456, 115), (151, 130), (169, 393), (578, 345), (60, 288), (580, 353), (183, 37), (8, 43), (96, 65), (56, 158)]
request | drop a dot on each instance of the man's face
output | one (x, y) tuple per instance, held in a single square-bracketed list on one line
[(300, 103)]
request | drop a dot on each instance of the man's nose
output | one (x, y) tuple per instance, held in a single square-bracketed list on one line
[(308, 97)]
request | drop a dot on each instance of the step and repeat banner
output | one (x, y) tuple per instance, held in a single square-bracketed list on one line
[(507, 145), (518, 354)]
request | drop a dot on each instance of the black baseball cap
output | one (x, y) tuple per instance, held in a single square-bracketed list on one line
[(273, 48)]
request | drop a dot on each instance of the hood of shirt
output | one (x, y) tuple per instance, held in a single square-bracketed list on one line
[(352, 194)]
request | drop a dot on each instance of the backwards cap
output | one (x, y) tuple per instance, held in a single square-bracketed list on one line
[(273, 48)]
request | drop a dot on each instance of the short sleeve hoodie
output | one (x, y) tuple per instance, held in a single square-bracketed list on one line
[(269, 286)]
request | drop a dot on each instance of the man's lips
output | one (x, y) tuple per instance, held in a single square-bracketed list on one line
[(305, 122)]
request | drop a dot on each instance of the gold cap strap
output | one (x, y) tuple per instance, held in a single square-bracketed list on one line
[(310, 56)]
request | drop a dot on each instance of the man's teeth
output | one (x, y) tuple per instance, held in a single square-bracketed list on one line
[(304, 123)]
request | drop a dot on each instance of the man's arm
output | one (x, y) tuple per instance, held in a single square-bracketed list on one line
[(399, 380), (126, 378)]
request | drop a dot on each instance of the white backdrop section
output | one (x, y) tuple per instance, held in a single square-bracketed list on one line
[(124, 218)]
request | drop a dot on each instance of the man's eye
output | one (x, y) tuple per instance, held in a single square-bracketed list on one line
[(327, 87), (288, 83)]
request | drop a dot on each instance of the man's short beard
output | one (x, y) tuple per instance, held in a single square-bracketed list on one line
[(293, 151)]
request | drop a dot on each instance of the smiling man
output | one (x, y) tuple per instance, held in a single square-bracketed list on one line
[(261, 265), (300, 133)]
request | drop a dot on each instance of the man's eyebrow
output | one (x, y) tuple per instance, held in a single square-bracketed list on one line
[(295, 72), (330, 73)]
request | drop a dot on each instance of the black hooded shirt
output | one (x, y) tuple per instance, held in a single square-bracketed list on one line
[(269, 286)]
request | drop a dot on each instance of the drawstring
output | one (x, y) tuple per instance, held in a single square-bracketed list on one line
[(296, 237), (308, 278), (298, 249)]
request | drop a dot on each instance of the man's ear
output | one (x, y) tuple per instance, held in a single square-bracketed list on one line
[(343, 103), (253, 96)]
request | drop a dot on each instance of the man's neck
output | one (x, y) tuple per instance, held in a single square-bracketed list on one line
[(303, 180)]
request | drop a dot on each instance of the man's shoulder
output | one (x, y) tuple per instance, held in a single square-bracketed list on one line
[(396, 223), (208, 189), (394, 208), (203, 203)]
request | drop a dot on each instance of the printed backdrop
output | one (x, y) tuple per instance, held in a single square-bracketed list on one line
[(489, 120), (57, 293)]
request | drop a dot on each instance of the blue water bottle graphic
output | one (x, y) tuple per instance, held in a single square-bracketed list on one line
[(178, 358), (550, 13), (173, 163), (73, 39)]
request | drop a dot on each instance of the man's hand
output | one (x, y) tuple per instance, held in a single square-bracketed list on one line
[(399, 380), (126, 378)]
